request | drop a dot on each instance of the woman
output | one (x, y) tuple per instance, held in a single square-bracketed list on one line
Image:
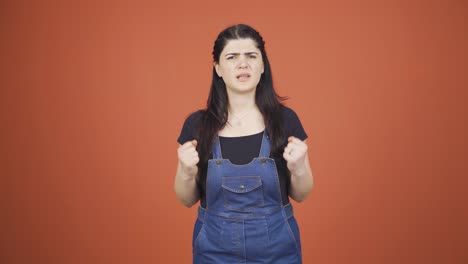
[(242, 157)]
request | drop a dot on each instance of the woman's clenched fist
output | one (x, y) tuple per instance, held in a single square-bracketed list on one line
[(188, 158), (295, 154)]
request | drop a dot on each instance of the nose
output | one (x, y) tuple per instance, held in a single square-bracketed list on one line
[(243, 62)]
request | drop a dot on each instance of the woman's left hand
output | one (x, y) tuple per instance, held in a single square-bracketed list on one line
[(295, 154)]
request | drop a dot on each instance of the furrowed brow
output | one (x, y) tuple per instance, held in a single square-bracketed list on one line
[(246, 53)]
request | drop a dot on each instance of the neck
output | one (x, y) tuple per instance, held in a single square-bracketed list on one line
[(241, 103)]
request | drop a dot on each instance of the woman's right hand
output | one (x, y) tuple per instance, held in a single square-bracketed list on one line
[(188, 158)]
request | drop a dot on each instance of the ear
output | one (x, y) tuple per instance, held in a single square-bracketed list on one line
[(216, 66)]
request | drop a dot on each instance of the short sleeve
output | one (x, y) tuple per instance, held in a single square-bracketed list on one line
[(293, 124), (188, 129)]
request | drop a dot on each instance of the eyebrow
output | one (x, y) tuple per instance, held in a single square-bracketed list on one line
[(246, 53)]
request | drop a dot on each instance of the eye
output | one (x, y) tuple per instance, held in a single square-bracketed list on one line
[(230, 58), (253, 56)]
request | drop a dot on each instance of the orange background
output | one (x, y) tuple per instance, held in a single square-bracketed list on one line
[(94, 95)]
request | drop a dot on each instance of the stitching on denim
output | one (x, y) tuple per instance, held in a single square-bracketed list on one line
[(260, 202), (291, 233)]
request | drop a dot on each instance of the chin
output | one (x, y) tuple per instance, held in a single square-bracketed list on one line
[(243, 89)]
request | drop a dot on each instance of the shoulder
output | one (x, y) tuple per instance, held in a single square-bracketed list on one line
[(288, 112), (292, 123), (290, 118), (189, 128), (194, 117)]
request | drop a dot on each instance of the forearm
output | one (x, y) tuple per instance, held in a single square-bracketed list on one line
[(185, 187), (301, 182)]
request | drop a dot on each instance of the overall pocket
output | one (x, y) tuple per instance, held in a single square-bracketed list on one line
[(293, 229), (242, 193), (197, 233)]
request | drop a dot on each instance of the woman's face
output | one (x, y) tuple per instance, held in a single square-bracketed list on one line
[(240, 65)]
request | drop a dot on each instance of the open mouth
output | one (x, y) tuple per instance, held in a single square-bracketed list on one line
[(243, 77)]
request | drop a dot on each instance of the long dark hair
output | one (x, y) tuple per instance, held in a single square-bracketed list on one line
[(215, 116)]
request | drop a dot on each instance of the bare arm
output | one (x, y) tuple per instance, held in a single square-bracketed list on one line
[(185, 184), (298, 163)]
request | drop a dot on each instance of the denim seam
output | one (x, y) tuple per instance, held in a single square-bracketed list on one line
[(291, 233)]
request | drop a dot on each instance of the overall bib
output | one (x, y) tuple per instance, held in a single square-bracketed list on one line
[(244, 220)]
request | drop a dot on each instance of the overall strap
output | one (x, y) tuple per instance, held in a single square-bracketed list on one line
[(265, 148), (217, 149)]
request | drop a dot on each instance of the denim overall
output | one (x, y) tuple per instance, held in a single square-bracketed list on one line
[(244, 220)]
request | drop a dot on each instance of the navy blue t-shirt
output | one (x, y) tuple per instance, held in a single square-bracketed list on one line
[(241, 150)]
